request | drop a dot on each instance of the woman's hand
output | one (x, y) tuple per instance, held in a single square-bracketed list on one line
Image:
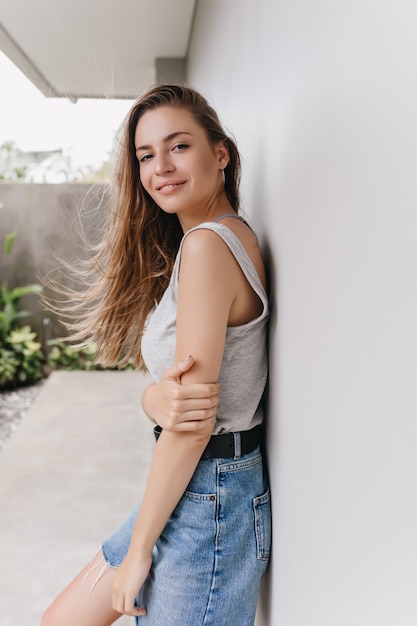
[(178, 407), (128, 581)]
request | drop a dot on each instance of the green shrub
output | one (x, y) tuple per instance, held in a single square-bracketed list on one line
[(21, 359), (9, 306), (8, 368), (64, 356), (10, 315)]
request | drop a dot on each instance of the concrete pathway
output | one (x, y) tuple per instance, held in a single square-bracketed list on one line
[(69, 475)]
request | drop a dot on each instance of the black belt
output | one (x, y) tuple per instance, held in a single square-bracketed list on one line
[(229, 445)]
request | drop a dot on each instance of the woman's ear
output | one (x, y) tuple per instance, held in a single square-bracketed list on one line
[(223, 155)]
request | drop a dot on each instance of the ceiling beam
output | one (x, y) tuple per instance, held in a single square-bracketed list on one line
[(12, 50)]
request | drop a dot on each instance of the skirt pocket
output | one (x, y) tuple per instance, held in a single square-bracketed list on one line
[(262, 510)]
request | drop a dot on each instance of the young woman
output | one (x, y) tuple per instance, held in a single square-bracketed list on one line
[(181, 281)]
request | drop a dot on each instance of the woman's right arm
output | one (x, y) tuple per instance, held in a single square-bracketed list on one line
[(177, 407)]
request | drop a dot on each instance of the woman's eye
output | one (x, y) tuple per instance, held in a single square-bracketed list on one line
[(180, 146), (145, 157)]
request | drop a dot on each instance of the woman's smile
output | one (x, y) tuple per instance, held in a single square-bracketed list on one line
[(169, 187)]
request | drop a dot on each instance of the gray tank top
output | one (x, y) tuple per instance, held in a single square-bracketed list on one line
[(243, 371)]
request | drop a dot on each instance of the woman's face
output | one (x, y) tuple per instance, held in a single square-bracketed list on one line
[(178, 166)]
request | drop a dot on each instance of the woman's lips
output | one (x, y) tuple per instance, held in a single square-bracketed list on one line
[(168, 188)]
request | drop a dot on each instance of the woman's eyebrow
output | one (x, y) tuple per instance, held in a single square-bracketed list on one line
[(165, 139)]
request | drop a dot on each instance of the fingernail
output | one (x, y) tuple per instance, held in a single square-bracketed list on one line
[(187, 358)]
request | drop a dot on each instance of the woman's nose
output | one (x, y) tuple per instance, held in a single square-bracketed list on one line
[(163, 164)]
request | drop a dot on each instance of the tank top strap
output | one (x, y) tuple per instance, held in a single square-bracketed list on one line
[(238, 217)]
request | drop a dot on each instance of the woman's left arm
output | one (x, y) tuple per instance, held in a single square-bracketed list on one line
[(205, 295)]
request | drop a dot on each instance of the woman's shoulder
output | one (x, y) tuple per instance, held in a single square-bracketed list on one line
[(203, 241), (233, 243)]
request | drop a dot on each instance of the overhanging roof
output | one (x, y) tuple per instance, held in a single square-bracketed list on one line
[(95, 49)]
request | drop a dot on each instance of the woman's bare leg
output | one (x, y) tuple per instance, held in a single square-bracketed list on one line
[(87, 599)]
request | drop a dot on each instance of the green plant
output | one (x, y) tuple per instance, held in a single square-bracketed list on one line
[(21, 358), (8, 368), (10, 314), (64, 356)]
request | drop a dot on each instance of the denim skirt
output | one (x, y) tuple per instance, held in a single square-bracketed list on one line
[(213, 552)]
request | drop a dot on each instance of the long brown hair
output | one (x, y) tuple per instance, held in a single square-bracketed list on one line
[(132, 264)]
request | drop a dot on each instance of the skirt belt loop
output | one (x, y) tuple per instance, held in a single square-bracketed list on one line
[(238, 446)]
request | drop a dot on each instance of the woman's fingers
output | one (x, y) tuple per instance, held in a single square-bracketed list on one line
[(194, 411), (126, 606), (198, 409), (200, 395)]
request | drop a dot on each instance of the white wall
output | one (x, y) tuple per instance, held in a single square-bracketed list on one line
[(322, 97)]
